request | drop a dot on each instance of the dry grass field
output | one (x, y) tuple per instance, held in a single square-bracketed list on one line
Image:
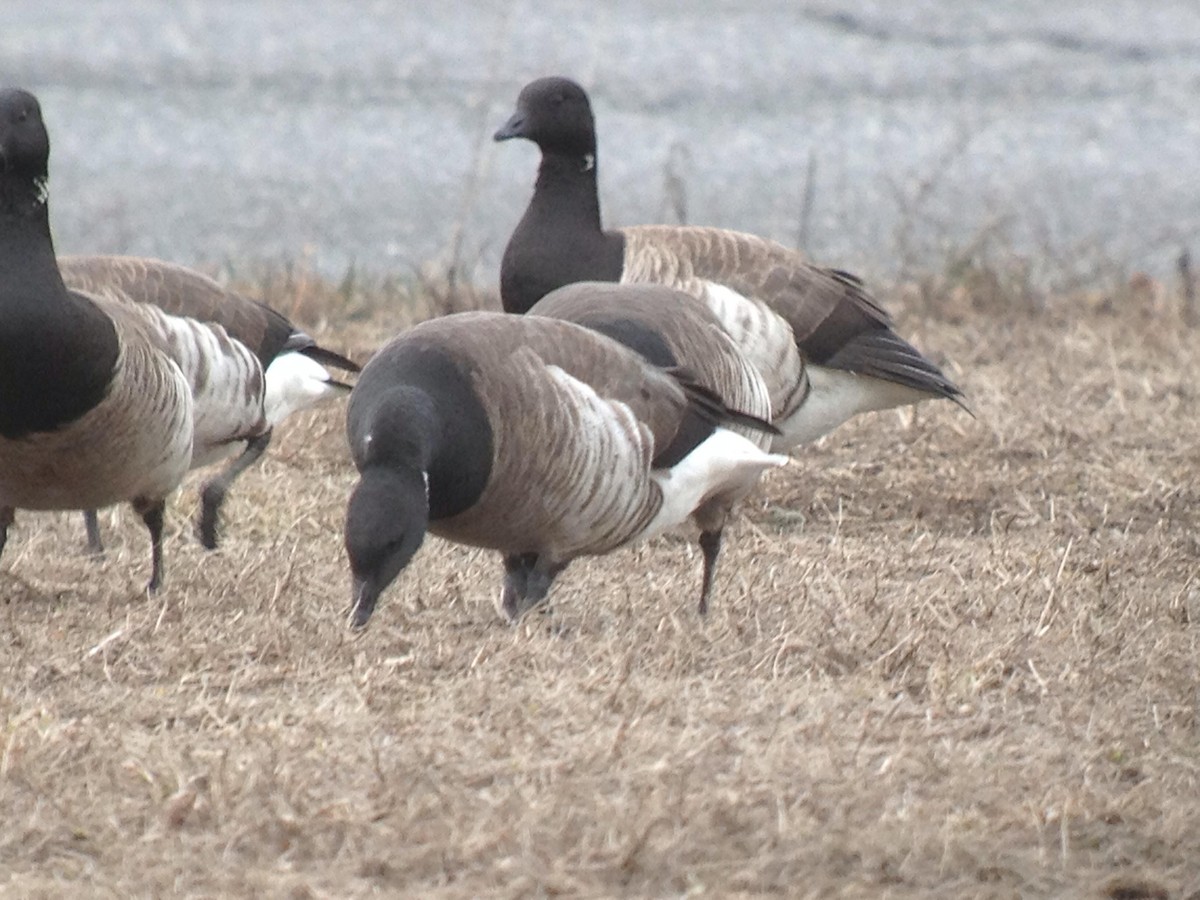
[(948, 657)]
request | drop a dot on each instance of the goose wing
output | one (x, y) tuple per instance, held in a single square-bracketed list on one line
[(181, 291), (670, 330), (224, 378), (832, 319)]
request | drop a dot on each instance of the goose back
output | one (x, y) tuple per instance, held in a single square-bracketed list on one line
[(831, 318), (822, 307), (670, 330), (181, 291), (292, 360)]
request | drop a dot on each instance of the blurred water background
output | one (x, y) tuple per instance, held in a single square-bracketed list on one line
[(879, 135)]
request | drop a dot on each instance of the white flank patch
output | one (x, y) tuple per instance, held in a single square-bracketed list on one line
[(725, 462), (295, 382), (835, 397)]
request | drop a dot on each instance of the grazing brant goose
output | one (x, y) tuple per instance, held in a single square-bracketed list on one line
[(293, 362), (101, 400), (772, 302), (670, 330), (532, 436)]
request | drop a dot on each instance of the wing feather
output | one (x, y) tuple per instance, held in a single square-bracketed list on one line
[(832, 319)]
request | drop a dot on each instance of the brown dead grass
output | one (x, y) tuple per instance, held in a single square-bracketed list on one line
[(948, 658)]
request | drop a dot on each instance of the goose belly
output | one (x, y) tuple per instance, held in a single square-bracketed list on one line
[(136, 443), (836, 397)]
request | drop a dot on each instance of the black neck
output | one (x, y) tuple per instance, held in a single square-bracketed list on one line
[(560, 239), (400, 431), (386, 520), (566, 192), (26, 247), (430, 420), (57, 351)]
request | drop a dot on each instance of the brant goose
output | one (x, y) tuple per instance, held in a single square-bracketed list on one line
[(101, 400), (532, 436), (670, 330), (293, 362), (772, 302)]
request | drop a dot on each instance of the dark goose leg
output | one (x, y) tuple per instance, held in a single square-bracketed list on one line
[(92, 523), (152, 514), (212, 495)]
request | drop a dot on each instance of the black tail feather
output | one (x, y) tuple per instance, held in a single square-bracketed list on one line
[(883, 354), (706, 412), (328, 358), (712, 406)]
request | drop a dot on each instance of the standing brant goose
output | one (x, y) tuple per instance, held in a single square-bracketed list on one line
[(670, 330), (293, 362), (101, 400), (772, 302), (532, 436)]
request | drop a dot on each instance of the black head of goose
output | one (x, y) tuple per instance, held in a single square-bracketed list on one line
[(293, 361), (772, 302), (535, 437), (100, 399), (670, 330)]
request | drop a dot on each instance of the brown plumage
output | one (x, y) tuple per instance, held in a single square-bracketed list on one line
[(670, 330), (134, 444), (98, 398), (185, 292), (824, 308), (532, 436), (667, 328), (181, 292), (770, 299)]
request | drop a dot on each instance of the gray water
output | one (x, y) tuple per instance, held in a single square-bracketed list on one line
[(358, 133)]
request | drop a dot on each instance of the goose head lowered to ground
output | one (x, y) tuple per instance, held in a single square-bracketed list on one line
[(535, 437), (293, 361), (770, 299), (101, 400)]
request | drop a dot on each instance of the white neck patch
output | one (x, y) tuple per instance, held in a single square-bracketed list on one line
[(41, 183), (589, 162)]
